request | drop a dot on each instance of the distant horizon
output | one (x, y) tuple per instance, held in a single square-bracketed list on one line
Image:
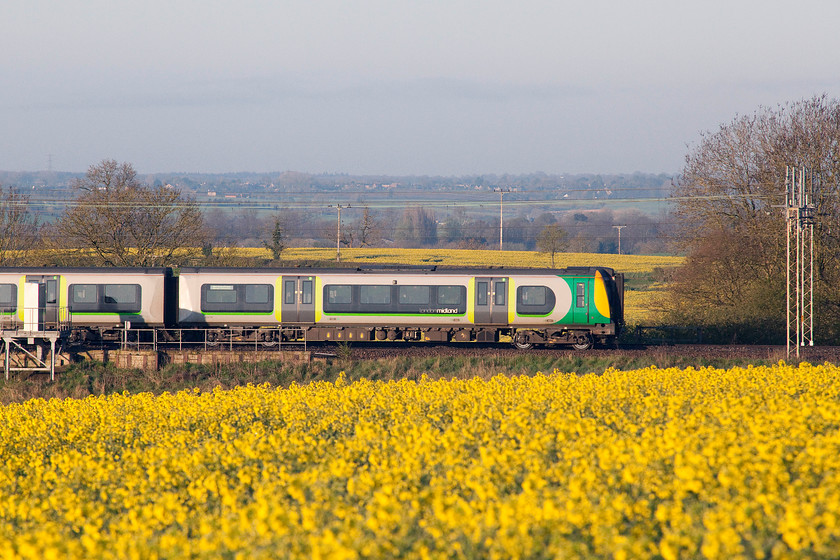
[(341, 173)]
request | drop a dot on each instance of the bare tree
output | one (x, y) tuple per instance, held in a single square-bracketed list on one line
[(126, 223), (369, 229), (18, 227), (552, 239)]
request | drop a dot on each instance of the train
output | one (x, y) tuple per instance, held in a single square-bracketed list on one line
[(577, 306)]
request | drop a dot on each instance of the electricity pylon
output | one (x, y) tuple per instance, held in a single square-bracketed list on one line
[(801, 215)]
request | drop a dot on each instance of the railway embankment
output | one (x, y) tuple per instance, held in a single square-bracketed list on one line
[(172, 371)]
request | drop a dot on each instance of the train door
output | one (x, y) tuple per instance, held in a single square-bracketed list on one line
[(491, 301), (298, 304), (40, 303), (583, 291)]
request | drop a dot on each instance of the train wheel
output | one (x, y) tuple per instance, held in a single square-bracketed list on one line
[(583, 342), (520, 342)]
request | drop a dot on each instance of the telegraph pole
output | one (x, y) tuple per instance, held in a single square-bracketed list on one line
[(502, 193), (800, 214), (619, 237), (338, 233)]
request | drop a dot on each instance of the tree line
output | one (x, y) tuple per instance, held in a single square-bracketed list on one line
[(731, 200), (117, 220)]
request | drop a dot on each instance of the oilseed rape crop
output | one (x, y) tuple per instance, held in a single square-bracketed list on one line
[(653, 463), (478, 258)]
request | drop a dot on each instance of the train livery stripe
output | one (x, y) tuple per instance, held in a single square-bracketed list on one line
[(63, 297), (278, 299), (602, 302), (319, 299), (471, 301), (511, 302), (21, 298)]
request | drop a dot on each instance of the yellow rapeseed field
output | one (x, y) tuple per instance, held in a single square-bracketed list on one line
[(654, 463), (469, 257)]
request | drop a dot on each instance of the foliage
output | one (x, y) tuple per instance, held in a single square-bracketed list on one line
[(650, 463), (278, 240), (729, 201), (126, 223), (18, 227), (417, 227)]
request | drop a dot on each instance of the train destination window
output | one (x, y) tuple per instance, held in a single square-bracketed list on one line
[(339, 294), (237, 298), (8, 297), (534, 300), (418, 295), (105, 298), (481, 293), (375, 295)]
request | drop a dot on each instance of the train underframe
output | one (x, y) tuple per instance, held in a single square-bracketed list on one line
[(580, 337)]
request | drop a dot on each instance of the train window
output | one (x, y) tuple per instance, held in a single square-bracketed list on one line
[(257, 293), (8, 297), (450, 295), (120, 293), (306, 296), (501, 290), (340, 294), (414, 294), (534, 300), (237, 298), (289, 292), (532, 295), (375, 295), (52, 291), (105, 298), (83, 293), (220, 294), (481, 293), (581, 294)]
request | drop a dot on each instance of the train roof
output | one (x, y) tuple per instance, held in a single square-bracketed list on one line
[(46, 270), (406, 269)]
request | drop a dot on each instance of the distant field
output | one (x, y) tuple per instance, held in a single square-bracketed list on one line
[(629, 264)]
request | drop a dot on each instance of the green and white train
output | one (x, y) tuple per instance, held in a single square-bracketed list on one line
[(527, 307), (578, 306)]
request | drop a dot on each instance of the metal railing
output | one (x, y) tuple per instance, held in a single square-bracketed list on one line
[(35, 319), (265, 339)]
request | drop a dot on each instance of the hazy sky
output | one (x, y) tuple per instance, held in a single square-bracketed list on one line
[(425, 87)]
